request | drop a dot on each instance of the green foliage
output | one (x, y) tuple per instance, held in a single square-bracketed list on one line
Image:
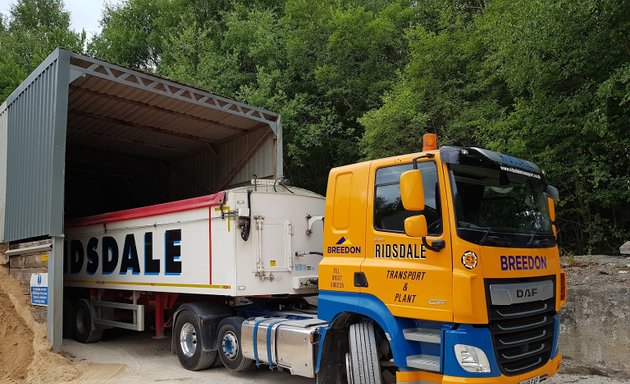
[(542, 80), (28, 35)]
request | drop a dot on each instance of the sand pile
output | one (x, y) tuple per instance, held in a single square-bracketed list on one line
[(25, 355)]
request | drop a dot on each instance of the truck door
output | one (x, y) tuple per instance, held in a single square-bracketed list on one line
[(412, 280)]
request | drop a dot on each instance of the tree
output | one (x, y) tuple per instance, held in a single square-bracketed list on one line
[(546, 81), (444, 89), (32, 31), (567, 65), (130, 35)]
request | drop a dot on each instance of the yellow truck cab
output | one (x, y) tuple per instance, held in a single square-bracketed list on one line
[(450, 257)]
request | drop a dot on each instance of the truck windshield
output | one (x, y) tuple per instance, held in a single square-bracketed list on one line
[(498, 208)]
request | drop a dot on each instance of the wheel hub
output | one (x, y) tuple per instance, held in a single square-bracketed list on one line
[(188, 339), (229, 345)]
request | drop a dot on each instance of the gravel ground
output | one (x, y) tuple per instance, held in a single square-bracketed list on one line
[(136, 358), (566, 379), (597, 271)]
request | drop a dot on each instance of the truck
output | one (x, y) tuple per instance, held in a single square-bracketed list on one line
[(440, 266)]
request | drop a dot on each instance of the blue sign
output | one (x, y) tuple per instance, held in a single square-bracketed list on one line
[(39, 289)]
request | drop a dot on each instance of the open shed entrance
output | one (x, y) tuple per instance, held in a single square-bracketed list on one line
[(135, 139)]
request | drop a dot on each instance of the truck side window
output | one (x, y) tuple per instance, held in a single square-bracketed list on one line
[(389, 214)]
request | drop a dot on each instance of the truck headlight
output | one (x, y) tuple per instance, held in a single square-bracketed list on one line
[(472, 359)]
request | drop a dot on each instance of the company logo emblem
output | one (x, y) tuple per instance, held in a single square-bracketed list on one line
[(344, 246), (343, 241), (470, 259)]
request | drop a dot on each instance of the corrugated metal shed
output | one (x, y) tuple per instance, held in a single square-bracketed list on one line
[(35, 141), (82, 136), (4, 117), (114, 138)]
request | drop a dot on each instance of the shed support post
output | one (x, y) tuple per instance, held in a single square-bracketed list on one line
[(55, 294)]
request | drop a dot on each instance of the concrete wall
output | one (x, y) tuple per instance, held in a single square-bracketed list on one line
[(595, 323)]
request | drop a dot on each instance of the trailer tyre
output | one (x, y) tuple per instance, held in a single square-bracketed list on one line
[(229, 342), (84, 330), (362, 362), (188, 343)]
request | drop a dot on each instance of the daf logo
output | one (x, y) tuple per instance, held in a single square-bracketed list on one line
[(521, 293), (470, 260)]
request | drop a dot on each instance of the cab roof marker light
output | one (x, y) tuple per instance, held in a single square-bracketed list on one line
[(472, 359), (429, 142)]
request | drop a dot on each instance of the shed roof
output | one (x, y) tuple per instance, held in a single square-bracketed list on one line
[(116, 108)]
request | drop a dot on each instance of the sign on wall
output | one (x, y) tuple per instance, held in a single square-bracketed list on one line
[(39, 289)]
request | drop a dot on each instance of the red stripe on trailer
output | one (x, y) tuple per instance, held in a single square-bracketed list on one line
[(148, 211), (210, 246)]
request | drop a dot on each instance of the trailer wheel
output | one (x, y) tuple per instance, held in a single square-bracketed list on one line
[(188, 343), (84, 330), (229, 339), (362, 362)]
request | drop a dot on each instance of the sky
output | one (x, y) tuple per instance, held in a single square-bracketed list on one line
[(84, 14)]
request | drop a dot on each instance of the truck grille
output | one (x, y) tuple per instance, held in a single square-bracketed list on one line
[(522, 333)]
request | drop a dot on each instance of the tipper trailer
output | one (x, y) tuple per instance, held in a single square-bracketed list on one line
[(433, 267)]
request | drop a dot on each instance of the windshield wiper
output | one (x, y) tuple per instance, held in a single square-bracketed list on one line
[(531, 239), (485, 236), (495, 240), (545, 241)]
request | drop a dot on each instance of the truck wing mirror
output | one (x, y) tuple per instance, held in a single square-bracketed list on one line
[(551, 206), (416, 226), (553, 196), (553, 193), (412, 190)]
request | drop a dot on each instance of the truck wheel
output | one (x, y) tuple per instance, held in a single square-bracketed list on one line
[(188, 343), (362, 363), (229, 339), (84, 330)]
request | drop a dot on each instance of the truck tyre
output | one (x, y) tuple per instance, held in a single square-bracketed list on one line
[(229, 342), (217, 361), (362, 363), (188, 343), (84, 330)]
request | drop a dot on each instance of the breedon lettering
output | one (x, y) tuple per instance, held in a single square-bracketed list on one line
[(111, 260), (523, 263), (343, 249)]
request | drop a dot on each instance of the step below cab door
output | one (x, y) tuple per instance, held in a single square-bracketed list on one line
[(412, 280)]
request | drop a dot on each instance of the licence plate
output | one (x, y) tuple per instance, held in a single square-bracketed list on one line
[(533, 380)]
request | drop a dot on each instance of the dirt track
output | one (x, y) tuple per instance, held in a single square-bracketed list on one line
[(136, 358)]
